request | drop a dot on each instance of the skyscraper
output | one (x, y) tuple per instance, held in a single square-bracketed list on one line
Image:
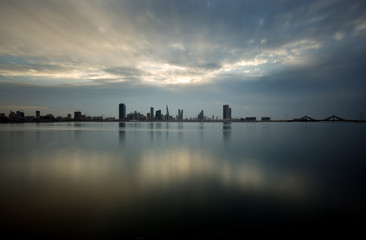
[(152, 112), (200, 116), (180, 115), (226, 112), (158, 115), (167, 113), (122, 111), (77, 115)]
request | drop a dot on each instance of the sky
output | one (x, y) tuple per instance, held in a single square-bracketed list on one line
[(277, 58)]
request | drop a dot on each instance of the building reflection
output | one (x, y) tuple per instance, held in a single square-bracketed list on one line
[(226, 131), (201, 130), (180, 131), (151, 132), (167, 131), (158, 131), (77, 131), (122, 133), (38, 133)]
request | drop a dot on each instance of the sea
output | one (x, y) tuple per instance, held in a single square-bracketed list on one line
[(182, 180)]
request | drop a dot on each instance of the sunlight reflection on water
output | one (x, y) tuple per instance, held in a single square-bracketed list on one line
[(120, 174)]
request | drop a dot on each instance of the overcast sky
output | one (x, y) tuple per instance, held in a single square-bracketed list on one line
[(263, 58)]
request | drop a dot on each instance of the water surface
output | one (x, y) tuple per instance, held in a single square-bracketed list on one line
[(173, 179)]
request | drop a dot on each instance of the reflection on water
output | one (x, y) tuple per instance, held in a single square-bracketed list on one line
[(128, 178), (122, 133), (226, 131)]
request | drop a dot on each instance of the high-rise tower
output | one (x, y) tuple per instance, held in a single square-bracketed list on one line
[(167, 113), (180, 115), (226, 112), (122, 111), (151, 112), (200, 116)]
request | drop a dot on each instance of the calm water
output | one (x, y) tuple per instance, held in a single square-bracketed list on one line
[(174, 179)]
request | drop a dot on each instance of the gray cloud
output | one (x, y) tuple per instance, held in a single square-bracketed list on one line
[(261, 56), (124, 71)]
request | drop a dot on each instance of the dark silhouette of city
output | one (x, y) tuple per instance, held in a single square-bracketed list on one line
[(123, 116)]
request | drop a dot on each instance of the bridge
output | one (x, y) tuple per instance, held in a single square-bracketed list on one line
[(306, 118), (334, 118)]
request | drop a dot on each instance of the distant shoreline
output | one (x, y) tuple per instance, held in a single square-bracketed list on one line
[(184, 121)]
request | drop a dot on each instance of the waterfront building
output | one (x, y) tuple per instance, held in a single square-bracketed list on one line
[(158, 115), (180, 115), (130, 116), (152, 112), (136, 115), (251, 118), (226, 112), (77, 116), (20, 114), (122, 111), (38, 114), (167, 113), (200, 116), (12, 115)]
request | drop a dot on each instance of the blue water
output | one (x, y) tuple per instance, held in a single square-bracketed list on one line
[(140, 179)]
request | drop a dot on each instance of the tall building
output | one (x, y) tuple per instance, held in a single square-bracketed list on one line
[(158, 115), (77, 116), (180, 115), (167, 113), (122, 111), (226, 112), (152, 112), (38, 114), (20, 114), (200, 116)]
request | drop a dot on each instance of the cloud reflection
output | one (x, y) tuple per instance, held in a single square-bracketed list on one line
[(168, 167), (157, 169)]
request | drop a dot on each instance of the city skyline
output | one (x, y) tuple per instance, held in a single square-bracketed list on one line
[(19, 116), (282, 59)]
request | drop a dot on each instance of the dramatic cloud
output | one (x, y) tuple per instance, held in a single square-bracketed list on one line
[(263, 57)]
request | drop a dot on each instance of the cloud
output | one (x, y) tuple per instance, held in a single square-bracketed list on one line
[(189, 35), (184, 46), (124, 71), (339, 36)]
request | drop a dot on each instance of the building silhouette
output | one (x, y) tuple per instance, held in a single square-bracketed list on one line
[(151, 112), (167, 113), (158, 115), (77, 116), (201, 116), (122, 111), (130, 116), (226, 112), (180, 115)]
